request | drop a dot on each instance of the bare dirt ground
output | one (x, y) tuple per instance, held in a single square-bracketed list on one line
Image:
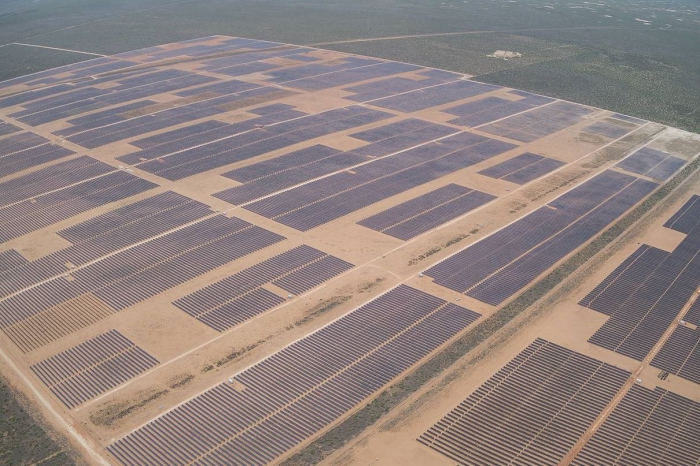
[(193, 357)]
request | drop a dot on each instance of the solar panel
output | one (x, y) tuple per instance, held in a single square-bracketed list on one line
[(293, 394), (523, 414)]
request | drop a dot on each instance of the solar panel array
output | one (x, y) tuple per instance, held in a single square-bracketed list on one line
[(609, 129), (10, 259), (299, 390), (647, 427), (7, 128), (617, 287), (522, 168), (93, 367), (629, 119), (251, 144), (652, 163), (103, 118), (645, 295), (26, 150), (73, 72), (321, 201), (86, 99), (242, 295), (105, 234), (145, 270), (680, 354), (540, 122), (531, 412), (56, 193), (489, 109), (412, 218), (268, 177), (194, 136), (289, 170), (434, 96), (502, 264), (359, 69), (97, 137), (693, 314), (687, 216), (397, 85)]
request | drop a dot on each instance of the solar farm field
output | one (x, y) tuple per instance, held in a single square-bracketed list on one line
[(217, 251)]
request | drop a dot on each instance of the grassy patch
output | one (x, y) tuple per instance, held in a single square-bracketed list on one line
[(181, 381), (111, 414), (238, 353), (437, 249), (322, 308)]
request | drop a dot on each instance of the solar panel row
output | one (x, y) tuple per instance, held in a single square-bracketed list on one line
[(300, 166), (628, 119), (289, 177), (396, 85), (92, 367), (693, 314), (32, 157), (10, 259), (531, 412), (617, 287), (228, 65), (297, 159), (127, 215), (254, 143), (20, 142), (103, 118), (687, 216), (539, 122), (7, 128), (52, 101), (207, 132), (349, 76), (223, 88), (270, 109), (488, 109), (504, 263), (93, 138), (76, 70), (58, 322), (642, 317), (28, 96), (73, 105), (322, 201), (106, 234), (440, 94), (680, 354), (240, 296), (146, 269), (522, 168), (647, 427), (33, 214), (608, 129), (201, 50), (291, 395), (652, 163), (308, 71), (421, 214)]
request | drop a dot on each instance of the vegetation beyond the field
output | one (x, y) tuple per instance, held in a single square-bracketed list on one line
[(637, 58), (22, 440)]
